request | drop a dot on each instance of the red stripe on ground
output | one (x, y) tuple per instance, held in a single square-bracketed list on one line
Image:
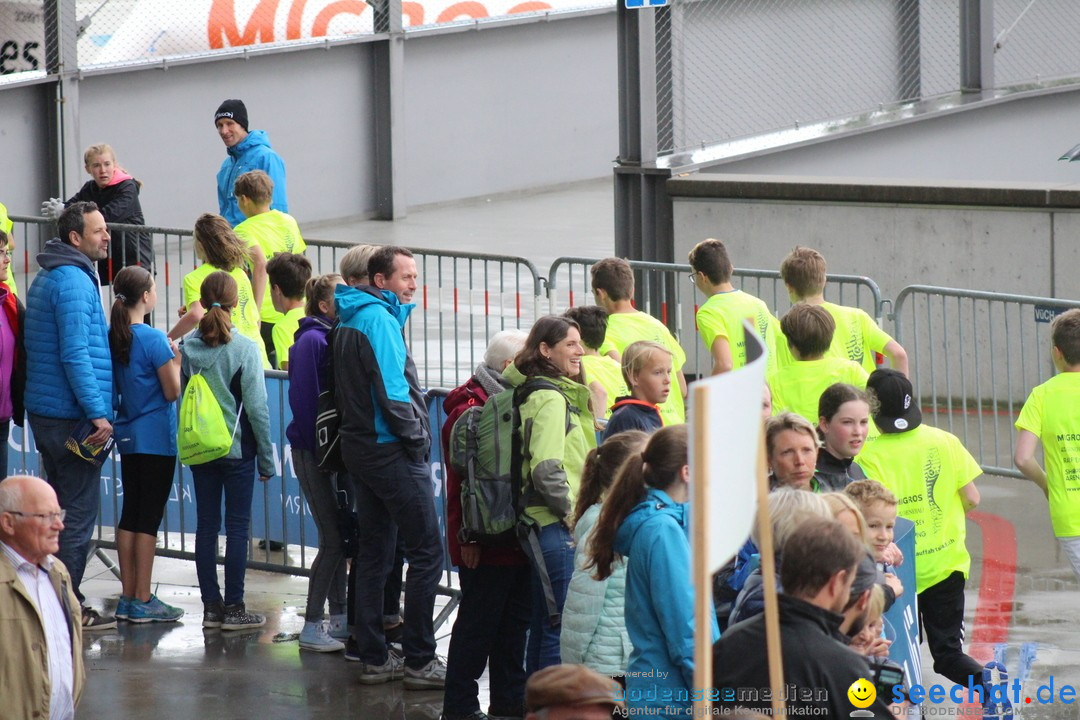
[(994, 609)]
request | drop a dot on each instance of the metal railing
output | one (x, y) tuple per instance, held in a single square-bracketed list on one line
[(464, 298), (974, 357)]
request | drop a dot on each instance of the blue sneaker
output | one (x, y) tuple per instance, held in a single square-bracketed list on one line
[(123, 607), (153, 610)]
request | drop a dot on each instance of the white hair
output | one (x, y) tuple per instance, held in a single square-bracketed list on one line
[(11, 496), (504, 345)]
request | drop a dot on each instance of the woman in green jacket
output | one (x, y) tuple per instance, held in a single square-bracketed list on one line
[(557, 434)]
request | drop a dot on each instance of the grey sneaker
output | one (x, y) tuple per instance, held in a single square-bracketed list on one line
[(378, 674), (430, 677), (238, 618), (213, 615), (93, 620)]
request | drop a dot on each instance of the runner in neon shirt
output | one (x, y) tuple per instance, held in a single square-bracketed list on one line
[(720, 318), (1051, 416), (797, 387), (857, 336)]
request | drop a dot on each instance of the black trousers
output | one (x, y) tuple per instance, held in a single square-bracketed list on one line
[(494, 614), (941, 617)]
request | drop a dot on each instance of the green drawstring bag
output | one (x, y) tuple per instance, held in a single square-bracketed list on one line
[(202, 434)]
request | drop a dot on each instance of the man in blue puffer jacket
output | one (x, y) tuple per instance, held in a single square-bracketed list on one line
[(69, 377), (246, 151)]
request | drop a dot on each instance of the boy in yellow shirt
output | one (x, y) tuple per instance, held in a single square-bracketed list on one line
[(797, 387), (857, 336), (613, 290), (266, 232), (1051, 416), (933, 476), (289, 274), (720, 318)]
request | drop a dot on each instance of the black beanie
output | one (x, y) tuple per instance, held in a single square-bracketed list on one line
[(235, 111)]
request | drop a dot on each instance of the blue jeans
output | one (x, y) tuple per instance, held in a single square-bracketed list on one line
[(398, 494), (492, 619), (557, 546), (236, 479), (78, 489)]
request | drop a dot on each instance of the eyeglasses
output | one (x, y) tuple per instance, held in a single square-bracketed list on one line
[(693, 278), (49, 518), (5, 254)]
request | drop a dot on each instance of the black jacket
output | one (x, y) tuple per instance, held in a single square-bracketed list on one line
[(836, 474), (119, 203), (815, 663)]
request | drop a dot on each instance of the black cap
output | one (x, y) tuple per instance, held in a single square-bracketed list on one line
[(235, 111), (897, 410)]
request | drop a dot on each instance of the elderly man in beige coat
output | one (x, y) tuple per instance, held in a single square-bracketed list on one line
[(41, 668)]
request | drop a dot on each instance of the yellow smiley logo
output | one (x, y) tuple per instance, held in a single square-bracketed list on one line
[(862, 693)]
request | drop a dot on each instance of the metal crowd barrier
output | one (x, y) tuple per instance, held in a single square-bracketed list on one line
[(463, 299), (974, 357)]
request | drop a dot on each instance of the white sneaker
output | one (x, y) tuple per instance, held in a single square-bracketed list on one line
[(315, 637), (430, 677)]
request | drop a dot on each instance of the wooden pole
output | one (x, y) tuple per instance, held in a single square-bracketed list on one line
[(702, 577), (768, 575)]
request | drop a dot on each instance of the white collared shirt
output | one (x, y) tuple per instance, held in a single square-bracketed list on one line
[(58, 640)]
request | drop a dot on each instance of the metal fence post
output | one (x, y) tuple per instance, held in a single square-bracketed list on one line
[(643, 211), (61, 61), (389, 66), (976, 45)]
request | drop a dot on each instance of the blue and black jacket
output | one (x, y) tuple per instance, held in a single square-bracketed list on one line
[(377, 391)]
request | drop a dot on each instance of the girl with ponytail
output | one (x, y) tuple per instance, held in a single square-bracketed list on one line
[(231, 363), (645, 519), (219, 249), (593, 630), (146, 373)]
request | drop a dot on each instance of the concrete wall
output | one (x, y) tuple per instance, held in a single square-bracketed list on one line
[(24, 148), (524, 106), (486, 112)]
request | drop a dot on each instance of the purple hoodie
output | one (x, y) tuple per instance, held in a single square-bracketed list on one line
[(307, 358)]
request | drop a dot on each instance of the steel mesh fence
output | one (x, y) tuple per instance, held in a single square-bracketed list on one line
[(939, 46), (1035, 40), (740, 67)]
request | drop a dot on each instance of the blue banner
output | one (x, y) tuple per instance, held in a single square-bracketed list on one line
[(902, 619), (278, 511)]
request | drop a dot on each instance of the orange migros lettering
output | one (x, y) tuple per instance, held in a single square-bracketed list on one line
[(222, 29)]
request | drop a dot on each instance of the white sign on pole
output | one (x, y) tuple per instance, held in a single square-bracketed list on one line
[(732, 431)]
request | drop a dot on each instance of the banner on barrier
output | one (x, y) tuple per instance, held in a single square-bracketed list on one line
[(278, 511), (902, 619)]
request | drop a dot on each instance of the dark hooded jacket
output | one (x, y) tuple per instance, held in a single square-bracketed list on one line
[(629, 413), (377, 391)]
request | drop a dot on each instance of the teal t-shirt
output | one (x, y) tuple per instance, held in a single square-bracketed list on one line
[(146, 421)]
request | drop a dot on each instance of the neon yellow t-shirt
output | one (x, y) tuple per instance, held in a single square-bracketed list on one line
[(798, 387), (284, 333), (925, 468), (626, 328), (275, 232), (1052, 413), (721, 317), (857, 336), (245, 315), (607, 372)]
